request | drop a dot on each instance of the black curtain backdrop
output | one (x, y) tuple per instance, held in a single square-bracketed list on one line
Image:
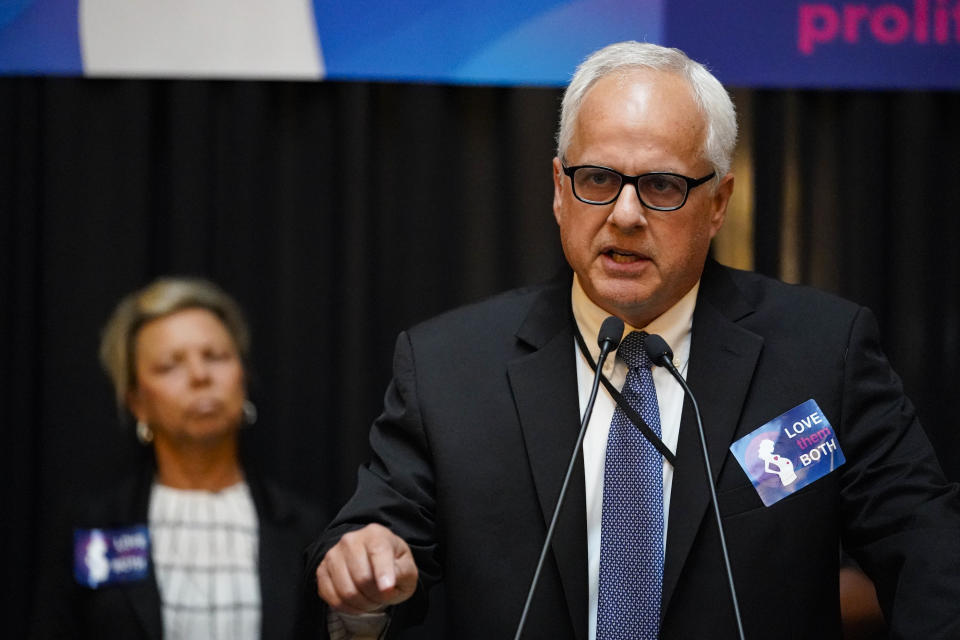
[(876, 219), (338, 214)]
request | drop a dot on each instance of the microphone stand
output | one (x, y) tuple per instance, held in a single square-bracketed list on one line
[(609, 340), (661, 354)]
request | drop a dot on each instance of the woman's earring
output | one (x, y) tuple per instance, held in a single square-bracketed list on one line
[(249, 413), (144, 432)]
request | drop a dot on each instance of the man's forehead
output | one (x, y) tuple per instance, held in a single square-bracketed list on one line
[(640, 83), (656, 106)]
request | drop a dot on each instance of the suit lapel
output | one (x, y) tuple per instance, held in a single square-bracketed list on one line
[(144, 596), (277, 612), (544, 385), (723, 357)]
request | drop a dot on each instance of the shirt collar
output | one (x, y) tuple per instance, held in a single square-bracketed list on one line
[(673, 325)]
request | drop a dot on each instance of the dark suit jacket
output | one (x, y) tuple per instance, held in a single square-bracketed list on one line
[(65, 609), (482, 415)]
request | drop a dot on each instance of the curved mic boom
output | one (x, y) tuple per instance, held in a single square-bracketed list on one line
[(660, 353)]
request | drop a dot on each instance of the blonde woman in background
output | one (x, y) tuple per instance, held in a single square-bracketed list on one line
[(197, 545)]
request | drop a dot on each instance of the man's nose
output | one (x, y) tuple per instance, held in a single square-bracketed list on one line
[(627, 210)]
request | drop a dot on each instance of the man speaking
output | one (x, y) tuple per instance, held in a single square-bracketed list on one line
[(811, 441)]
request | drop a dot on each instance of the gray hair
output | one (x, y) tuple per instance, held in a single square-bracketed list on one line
[(162, 298), (712, 99)]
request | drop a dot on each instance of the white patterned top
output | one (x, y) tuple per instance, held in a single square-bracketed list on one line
[(205, 553)]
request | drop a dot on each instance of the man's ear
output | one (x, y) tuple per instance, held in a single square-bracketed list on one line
[(558, 191)]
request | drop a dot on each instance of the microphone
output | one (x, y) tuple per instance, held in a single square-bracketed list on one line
[(660, 354), (611, 331)]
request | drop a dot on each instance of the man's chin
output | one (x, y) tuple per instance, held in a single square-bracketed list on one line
[(629, 303), (623, 287)]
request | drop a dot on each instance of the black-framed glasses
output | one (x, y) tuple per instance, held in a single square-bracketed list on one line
[(659, 190)]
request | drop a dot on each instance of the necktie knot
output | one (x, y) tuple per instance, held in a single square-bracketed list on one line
[(632, 351)]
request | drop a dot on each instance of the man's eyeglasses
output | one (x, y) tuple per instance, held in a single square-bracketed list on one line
[(660, 190)]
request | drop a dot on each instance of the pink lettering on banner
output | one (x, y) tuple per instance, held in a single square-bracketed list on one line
[(852, 16), (819, 23), (890, 24), (922, 22)]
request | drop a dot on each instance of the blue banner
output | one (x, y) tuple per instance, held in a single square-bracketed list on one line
[(536, 42), (749, 43), (860, 44)]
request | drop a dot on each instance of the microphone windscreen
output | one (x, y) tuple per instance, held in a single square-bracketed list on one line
[(657, 349), (610, 331)]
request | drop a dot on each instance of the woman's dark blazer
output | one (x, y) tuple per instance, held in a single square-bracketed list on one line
[(66, 609)]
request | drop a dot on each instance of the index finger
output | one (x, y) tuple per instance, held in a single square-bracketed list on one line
[(382, 557)]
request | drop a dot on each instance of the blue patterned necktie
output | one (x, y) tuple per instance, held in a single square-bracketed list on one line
[(631, 530)]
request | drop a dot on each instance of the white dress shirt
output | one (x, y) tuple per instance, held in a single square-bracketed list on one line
[(674, 326)]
